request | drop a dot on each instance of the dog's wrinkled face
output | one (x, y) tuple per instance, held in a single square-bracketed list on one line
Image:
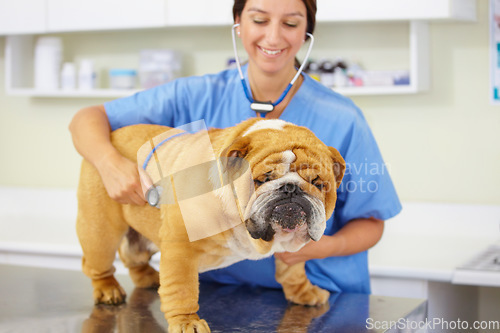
[(296, 177), (289, 205)]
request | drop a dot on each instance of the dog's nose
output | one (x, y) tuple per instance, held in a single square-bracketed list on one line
[(290, 189)]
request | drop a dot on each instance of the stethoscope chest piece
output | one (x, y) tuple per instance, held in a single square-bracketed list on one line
[(262, 107), (153, 196)]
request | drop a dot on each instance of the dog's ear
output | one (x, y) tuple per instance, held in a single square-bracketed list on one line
[(239, 148), (338, 165), (233, 157)]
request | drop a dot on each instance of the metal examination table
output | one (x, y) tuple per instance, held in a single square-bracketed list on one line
[(49, 300)]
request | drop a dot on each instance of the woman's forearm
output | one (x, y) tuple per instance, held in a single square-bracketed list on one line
[(356, 236), (90, 132)]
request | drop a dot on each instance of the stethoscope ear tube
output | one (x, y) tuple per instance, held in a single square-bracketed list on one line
[(236, 58)]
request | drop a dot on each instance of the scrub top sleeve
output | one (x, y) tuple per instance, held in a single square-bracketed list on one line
[(366, 189), (153, 106)]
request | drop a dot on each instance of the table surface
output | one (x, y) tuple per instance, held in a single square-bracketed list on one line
[(49, 300)]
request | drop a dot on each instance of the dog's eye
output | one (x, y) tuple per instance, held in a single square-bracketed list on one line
[(318, 183), (262, 179)]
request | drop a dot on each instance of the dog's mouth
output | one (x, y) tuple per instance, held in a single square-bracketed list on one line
[(285, 216)]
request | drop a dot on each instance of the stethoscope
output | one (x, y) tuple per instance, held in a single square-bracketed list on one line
[(153, 194), (265, 107)]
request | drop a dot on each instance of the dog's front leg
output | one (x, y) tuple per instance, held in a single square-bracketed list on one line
[(179, 286), (297, 287)]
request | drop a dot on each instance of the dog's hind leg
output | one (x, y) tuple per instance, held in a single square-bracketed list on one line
[(135, 252)]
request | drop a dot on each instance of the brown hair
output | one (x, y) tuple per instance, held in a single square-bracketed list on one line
[(310, 8)]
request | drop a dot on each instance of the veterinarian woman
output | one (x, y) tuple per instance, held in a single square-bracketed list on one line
[(272, 32)]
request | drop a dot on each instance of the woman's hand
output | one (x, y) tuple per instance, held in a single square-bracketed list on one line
[(356, 236), (312, 250), (123, 180)]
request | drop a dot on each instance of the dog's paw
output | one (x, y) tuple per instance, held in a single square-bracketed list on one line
[(145, 277), (187, 324), (108, 291), (311, 296)]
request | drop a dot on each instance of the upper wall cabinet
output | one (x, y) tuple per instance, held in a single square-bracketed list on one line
[(78, 15), (22, 17), (46, 16), (377, 10), (183, 13)]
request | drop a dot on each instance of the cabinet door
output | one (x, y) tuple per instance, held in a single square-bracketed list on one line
[(199, 12), (77, 15), (368, 10), (22, 16)]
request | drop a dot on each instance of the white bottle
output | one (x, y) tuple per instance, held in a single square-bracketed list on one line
[(86, 75), (340, 78), (48, 56), (68, 76)]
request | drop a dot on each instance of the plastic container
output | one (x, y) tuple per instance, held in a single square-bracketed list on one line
[(87, 77), (47, 63), (340, 78), (313, 70), (355, 74), (122, 78), (157, 67), (68, 76), (231, 64), (326, 77)]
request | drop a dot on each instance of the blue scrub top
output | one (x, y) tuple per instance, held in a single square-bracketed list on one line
[(219, 99)]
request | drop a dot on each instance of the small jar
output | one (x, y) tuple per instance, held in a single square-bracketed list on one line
[(122, 78), (87, 76), (68, 76), (326, 77)]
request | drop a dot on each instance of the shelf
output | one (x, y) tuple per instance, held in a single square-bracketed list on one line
[(19, 70), (380, 90), (112, 93), (96, 93)]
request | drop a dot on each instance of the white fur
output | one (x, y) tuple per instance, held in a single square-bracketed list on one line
[(276, 124), (288, 158), (241, 248)]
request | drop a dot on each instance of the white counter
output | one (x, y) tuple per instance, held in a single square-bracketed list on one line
[(425, 242), (429, 241)]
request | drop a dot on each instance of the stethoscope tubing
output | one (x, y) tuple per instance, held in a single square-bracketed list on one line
[(287, 89)]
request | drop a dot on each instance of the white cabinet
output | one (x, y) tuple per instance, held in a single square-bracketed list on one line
[(77, 15), (40, 16), (22, 16), (193, 13), (386, 10)]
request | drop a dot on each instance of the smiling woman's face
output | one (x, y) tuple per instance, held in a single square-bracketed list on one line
[(272, 33)]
